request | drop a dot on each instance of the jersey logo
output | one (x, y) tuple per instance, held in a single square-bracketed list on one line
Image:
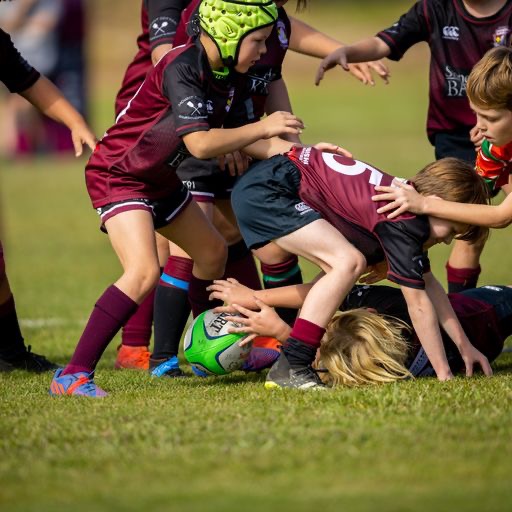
[(501, 37), (281, 34), (195, 107), (162, 26), (450, 32), (303, 208), (455, 82)]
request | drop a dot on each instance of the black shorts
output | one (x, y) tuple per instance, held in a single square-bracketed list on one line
[(163, 210), (501, 298), (456, 144), (205, 180), (267, 204)]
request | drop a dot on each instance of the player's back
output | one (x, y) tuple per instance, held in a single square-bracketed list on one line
[(342, 185)]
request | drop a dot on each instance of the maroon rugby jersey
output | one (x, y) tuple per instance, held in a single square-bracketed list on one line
[(340, 188), (159, 20), (457, 41), (138, 156), (15, 72)]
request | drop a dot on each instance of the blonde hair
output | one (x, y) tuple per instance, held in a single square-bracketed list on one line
[(360, 347), (490, 81), (453, 179)]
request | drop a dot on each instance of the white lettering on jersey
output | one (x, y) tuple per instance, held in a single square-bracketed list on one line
[(456, 82), (352, 170)]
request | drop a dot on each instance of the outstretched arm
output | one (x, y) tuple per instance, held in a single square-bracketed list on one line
[(450, 323), (370, 49), (51, 102), (425, 323), (309, 41), (404, 198)]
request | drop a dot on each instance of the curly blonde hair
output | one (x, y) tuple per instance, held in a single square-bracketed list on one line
[(360, 347)]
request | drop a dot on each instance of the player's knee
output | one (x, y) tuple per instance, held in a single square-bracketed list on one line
[(145, 278), (213, 259), (354, 264)]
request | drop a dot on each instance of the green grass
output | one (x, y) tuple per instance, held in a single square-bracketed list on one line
[(226, 444)]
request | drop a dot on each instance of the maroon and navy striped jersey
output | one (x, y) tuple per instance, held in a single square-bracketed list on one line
[(15, 72), (180, 95), (341, 188), (457, 41)]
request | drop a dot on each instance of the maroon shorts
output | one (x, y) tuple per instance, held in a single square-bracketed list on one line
[(164, 210)]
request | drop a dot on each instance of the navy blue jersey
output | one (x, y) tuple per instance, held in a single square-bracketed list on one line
[(15, 72), (457, 41)]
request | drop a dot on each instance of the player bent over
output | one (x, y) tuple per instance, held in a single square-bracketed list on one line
[(318, 205)]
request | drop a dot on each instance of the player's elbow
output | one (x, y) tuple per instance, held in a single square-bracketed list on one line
[(198, 145)]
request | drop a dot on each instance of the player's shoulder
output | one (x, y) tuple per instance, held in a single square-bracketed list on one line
[(185, 60)]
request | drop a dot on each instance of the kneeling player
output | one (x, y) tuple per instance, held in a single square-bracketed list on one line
[(284, 199)]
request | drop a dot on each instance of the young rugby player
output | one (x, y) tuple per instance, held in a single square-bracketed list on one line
[(490, 94), (179, 110), (361, 347), (458, 32), (19, 77), (284, 199)]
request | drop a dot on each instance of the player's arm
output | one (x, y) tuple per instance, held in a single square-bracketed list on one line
[(425, 323), (279, 99), (307, 40), (450, 323), (370, 49), (403, 198), (51, 102), (219, 141), (230, 291), (163, 18)]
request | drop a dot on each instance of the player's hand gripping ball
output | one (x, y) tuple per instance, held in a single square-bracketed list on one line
[(210, 349)]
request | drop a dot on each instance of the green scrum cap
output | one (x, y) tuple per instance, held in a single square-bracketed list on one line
[(227, 22)]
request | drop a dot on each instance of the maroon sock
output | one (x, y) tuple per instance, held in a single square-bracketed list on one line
[(307, 332), (460, 279), (137, 331), (12, 345), (110, 313), (241, 266), (198, 296)]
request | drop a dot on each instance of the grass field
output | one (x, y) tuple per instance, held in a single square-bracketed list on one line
[(226, 444)]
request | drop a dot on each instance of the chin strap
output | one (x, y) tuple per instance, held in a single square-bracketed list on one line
[(222, 73)]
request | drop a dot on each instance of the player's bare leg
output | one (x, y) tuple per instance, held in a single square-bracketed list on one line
[(342, 264)]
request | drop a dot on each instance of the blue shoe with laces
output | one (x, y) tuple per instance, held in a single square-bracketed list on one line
[(77, 384), (166, 368)]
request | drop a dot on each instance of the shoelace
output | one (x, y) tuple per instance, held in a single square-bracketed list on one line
[(86, 384), (38, 358), (308, 371)]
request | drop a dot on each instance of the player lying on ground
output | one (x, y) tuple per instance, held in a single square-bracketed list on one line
[(490, 93), (283, 200), (19, 77), (360, 346)]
